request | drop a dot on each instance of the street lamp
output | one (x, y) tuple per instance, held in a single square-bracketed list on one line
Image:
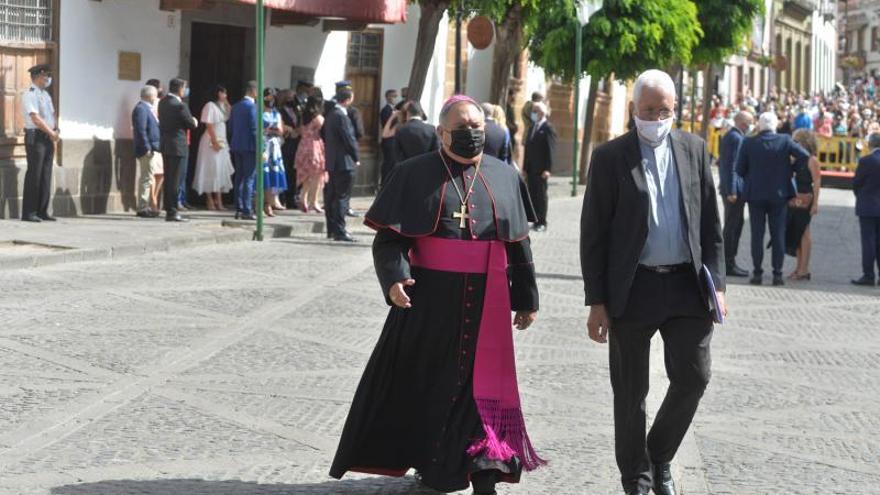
[(585, 9)]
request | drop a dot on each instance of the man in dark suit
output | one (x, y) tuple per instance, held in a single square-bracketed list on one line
[(649, 223), (341, 160), (731, 190), (174, 120), (538, 161), (243, 121), (765, 164), (357, 123), (497, 138), (415, 137), (386, 111), (866, 187)]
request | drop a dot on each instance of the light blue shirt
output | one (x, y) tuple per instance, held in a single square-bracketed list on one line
[(667, 239)]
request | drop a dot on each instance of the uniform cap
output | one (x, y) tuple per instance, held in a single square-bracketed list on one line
[(40, 69)]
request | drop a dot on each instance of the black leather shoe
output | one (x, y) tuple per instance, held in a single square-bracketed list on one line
[(31, 218), (778, 281), (638, 491), (175, 218), (865, 281), (663, 482), (756, 279), (539, 228), (352, 213), (145, 214), (344, 237), (47, 218), (735, 271)]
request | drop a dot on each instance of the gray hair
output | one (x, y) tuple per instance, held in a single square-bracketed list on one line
[(874, 140), (653, 78), (768, 121), (488, 109), (149, 92)]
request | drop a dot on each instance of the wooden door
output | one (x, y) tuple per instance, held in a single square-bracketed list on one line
[(364, 70), (217, 57)]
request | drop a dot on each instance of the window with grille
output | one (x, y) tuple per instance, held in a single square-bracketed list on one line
[(26, 20), (365, 52)]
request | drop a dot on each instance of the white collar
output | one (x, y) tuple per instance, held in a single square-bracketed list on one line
[(246, 97)]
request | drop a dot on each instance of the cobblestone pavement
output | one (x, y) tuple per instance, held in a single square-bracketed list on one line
[(228, 369)]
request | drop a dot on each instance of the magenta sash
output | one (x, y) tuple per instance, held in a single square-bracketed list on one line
[(495, 386)]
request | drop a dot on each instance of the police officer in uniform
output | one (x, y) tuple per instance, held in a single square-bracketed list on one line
[(40, 136)]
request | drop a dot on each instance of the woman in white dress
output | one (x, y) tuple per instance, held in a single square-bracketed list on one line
[(214, 165)]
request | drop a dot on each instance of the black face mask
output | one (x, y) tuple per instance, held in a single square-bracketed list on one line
[(467, 143)]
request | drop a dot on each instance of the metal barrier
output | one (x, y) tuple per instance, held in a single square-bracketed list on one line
[(840, 154)]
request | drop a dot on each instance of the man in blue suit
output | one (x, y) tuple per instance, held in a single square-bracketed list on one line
[(341, 147), (765, 164), (244, 149), (866, 187), (731, 190)]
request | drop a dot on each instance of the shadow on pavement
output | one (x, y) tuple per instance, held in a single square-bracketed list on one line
[(371, 486)]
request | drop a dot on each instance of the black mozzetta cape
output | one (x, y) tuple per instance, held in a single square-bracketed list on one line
[(414, 407), (411, 203)]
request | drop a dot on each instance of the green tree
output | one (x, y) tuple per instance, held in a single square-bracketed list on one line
[(726, 26), (622, 39)]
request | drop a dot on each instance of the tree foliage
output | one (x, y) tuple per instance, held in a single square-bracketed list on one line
[(726, 26), (623, 38)]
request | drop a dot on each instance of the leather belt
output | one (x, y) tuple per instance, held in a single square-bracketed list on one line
[(663, 269)]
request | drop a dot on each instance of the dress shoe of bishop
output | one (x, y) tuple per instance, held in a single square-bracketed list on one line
[(735, 271), (344, 237), (47, 218), (175, 218), (865, 281), (663, 482), (31, 218), (778, 281), (539, 228)]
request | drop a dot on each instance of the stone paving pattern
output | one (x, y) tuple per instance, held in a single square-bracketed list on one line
[(228, 370)]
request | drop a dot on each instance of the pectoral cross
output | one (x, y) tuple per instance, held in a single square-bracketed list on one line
[(463, 215)]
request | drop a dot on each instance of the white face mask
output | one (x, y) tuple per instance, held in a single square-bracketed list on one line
[(654, 131), (48, 82)]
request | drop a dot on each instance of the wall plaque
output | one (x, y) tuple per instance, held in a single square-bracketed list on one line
[(129, 66)]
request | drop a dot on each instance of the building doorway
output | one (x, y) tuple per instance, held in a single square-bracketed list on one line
[(364, 70), (217, 56)]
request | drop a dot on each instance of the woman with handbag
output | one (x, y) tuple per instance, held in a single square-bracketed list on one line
[(801, 208)]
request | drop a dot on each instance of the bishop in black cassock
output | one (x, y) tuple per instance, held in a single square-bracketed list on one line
[(429, 398)]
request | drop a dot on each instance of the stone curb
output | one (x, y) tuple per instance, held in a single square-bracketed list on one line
[(122, 250)]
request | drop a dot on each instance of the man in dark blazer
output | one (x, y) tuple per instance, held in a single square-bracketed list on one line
[(649, 224), (866, 187), (497, 138), (147, 149), (174, 120), (765, 164), (415, 137), (243, 121), (538, 162), (731, 190), (341, 147)]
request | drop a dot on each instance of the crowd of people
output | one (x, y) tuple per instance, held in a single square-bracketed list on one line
[(775, 170), (309, 154)]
